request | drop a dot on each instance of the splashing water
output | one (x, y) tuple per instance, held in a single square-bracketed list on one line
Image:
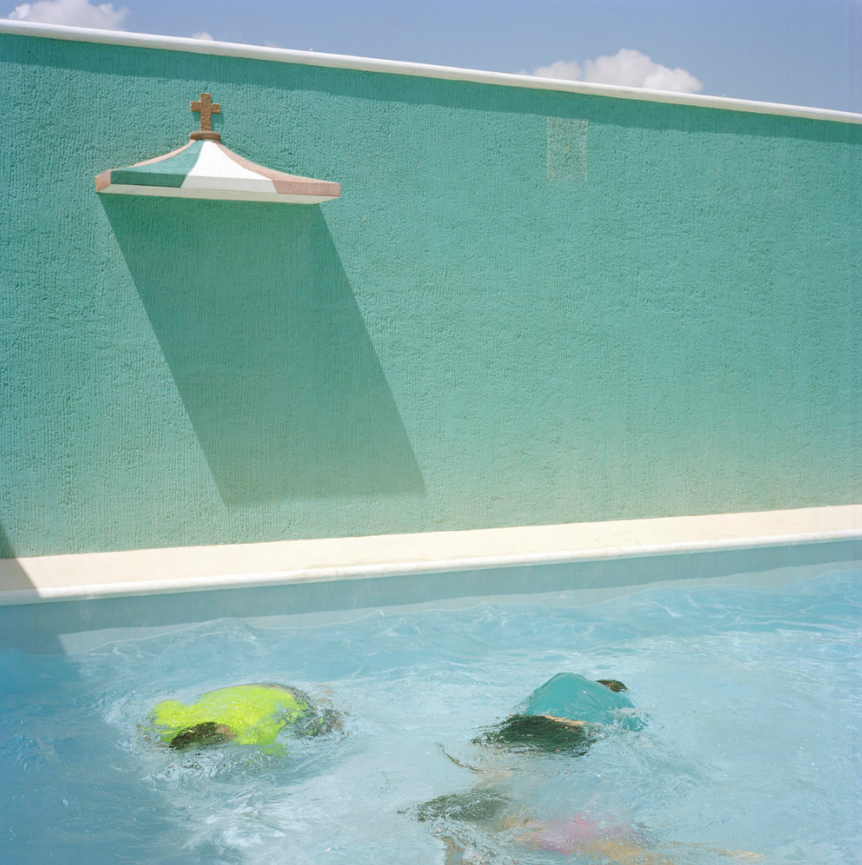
[(750, 699)]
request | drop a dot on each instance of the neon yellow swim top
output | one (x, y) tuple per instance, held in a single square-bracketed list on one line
[(254, 713)]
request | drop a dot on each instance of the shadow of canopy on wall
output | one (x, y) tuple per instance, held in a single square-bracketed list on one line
[(267, 346)]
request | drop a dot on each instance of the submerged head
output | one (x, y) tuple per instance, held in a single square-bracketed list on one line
[(242, 714), (542, 733), (567, 713), (480, 805), (202, 735)]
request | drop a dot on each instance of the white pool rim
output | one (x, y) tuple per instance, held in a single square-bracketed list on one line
[(37, 579)]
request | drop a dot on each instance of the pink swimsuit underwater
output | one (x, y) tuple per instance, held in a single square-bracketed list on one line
[(571, 834)]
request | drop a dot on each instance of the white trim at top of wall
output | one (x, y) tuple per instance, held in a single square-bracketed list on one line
[(422, 70)]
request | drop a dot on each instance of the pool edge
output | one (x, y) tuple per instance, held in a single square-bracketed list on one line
[(40, 579)]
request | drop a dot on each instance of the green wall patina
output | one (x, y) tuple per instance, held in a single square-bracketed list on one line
[(528, 307)]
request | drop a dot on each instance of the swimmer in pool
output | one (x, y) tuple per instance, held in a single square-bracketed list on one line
[(565, 714), (463, 819), (242, 714)]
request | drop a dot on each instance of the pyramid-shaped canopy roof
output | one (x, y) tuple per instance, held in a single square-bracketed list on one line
[(205, 168)]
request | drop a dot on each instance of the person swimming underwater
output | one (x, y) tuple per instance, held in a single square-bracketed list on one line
[(565, 714), (562, 715), (244, 714)]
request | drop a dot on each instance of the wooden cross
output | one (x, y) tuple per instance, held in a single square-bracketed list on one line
[(206, 108)]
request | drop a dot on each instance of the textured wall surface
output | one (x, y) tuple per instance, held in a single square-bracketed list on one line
[(527, 307)]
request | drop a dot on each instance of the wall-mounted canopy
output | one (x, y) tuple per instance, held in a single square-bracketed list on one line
[(205, 168)]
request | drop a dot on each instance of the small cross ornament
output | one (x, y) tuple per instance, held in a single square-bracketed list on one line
[(206, 108)]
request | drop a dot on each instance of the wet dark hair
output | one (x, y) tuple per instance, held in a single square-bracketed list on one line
[(613, 684), (202, 735), (318, 724), (474, 806), (538, 733)]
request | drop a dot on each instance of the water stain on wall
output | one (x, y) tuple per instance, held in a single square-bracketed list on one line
[(567, 149)]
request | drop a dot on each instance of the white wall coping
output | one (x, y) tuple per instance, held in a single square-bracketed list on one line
[(179, 569), (422, 70)]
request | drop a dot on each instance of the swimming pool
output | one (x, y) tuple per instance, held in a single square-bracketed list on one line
[(749, 687)]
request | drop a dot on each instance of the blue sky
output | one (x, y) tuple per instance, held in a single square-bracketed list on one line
[(802, 52)]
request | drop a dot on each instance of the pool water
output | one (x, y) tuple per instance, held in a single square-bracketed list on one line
[(751, 742)]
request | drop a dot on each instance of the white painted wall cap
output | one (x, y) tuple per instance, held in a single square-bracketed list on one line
[(422, 70)]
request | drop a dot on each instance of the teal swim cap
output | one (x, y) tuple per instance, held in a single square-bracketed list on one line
[(576, 698)]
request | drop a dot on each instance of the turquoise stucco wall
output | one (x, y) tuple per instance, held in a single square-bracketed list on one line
[(527, 307)]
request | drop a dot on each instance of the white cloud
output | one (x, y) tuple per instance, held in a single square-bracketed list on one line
[(570, 71), (203, 35), (74, 13), (627, 68)]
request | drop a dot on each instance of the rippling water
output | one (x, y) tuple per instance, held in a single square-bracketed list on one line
[(752, 742)]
